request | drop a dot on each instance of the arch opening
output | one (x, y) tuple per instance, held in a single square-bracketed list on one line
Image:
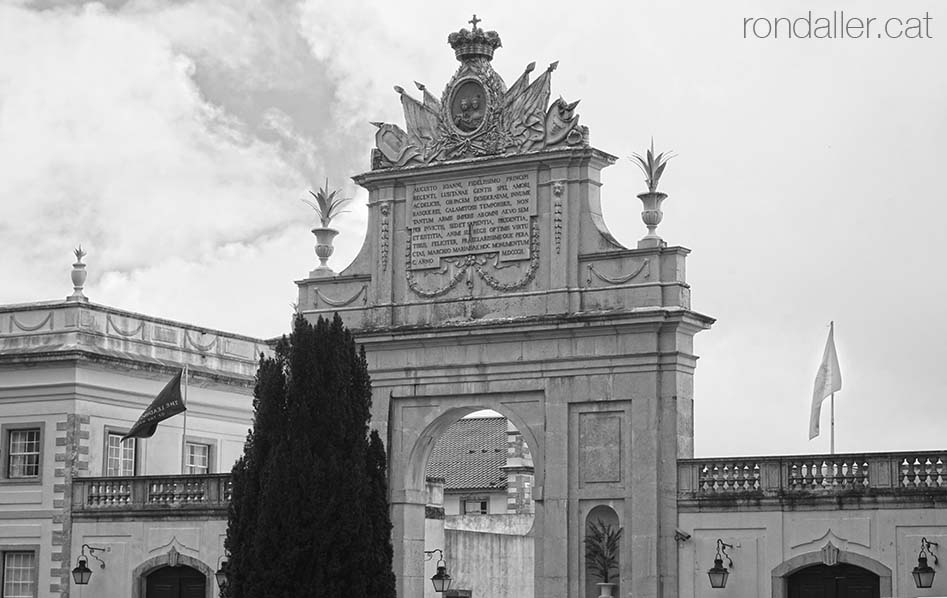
[(479, 474)]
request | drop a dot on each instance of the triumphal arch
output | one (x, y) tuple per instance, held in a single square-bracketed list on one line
[(488, 279)]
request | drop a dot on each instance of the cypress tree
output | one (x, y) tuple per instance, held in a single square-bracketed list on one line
[(309, 514)]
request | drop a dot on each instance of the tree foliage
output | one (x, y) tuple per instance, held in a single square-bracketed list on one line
[(601, 548), (309, 512)]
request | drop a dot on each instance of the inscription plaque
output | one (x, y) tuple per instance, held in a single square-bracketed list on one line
[(468, 216)]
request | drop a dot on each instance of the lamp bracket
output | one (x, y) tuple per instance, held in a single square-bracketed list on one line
[(722, 551), (926, 548), (92, 550)]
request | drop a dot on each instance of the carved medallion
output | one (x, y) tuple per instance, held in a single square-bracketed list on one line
[(468, 105)]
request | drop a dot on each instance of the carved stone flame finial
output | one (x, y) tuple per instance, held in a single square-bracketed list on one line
[(78, 275)]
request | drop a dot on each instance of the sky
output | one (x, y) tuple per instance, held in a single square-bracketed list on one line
[(174, 140)]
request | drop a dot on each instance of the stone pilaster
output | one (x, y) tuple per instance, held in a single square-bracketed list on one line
[(72, 460)]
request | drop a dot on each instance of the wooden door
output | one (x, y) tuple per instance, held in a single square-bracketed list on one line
[(176, 582), (839, 581)]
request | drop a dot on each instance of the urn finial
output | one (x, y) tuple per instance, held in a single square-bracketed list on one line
[(653, 166), (327, 206), (78, 275)]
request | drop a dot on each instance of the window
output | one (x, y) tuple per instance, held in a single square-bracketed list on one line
[(19, 574), (23, 453), (120, 455), (198, 458), (475, 506)]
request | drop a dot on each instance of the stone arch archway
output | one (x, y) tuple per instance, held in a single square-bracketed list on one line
[(419, 422), (780, 574), (168, 559)]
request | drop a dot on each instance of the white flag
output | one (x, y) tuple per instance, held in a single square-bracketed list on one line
[(827, 381)]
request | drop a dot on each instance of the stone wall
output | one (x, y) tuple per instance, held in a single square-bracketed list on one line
[(491, 565)]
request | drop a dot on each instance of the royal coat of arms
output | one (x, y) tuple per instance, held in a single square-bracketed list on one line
[(477, 115)]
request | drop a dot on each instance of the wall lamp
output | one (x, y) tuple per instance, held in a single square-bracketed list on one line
[(221, 574), (924, 573), (718, 574), (82, 574), (441, 579)]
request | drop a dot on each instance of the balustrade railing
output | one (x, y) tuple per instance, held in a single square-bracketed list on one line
[(812, 474), (212, 491)]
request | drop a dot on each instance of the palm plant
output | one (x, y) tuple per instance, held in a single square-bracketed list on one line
[(601, 549), (327, 205), (652, 166)]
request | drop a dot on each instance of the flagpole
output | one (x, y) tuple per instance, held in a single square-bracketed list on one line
[(831, 400), (184, 434), (832, 441)]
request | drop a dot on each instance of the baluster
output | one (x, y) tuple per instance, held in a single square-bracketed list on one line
[(716, 478), (794, 476), (928, 473), (940, 472), (905, 468), (866, 482), (917, 473), (756, 476), (702, 484)]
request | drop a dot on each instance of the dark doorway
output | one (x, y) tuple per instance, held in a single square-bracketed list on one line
[(838, 581), (176, 582)]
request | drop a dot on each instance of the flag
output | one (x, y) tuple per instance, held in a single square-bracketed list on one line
[(168, 403), (827, 381)]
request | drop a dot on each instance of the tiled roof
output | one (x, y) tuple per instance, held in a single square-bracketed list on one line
[(470, 454)]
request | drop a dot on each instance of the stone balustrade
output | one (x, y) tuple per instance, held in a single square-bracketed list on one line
[(143, 496), (872, 477)]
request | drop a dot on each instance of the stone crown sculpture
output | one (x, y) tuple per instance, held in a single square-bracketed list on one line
[(477, 115)]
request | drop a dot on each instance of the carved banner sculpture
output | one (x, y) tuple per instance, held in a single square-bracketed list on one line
[(477, 115)]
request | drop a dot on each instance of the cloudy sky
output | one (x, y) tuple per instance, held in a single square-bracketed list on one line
[(174, 139)]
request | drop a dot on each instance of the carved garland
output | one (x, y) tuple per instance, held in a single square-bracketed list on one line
[(530, 271), (198, 346), (339, 302), (618, 279), (122, 332), (463, 265), (27, 328)]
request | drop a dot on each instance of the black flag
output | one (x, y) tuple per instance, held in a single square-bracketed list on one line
[(168, 403)]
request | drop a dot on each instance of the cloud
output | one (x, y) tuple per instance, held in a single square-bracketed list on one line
[(129, 131)]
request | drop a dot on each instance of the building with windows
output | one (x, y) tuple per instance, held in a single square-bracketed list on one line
[(485, 466), (74, 377)]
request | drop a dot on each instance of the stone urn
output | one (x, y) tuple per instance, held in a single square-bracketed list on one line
[(605, 589), (78, 276), (652, 215), (324, 249)]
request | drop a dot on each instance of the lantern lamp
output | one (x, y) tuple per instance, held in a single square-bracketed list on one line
[(81, 574), (221, 574), (924, 573), (718, 574), (441, 579)]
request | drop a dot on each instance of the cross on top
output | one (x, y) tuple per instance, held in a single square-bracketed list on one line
[(474, 21)]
